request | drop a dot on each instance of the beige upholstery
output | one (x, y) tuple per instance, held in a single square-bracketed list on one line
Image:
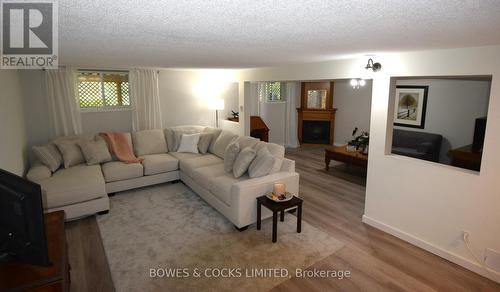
[(204, 175), (149, 142), (117, 170), (158, 163), (81, 190), (173, 133), (128, 137), (181, 156), (73, 185), (190, 165), (221, 186), (219, 146), (38, 172)]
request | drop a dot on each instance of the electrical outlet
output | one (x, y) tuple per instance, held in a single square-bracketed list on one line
[(492, 259)]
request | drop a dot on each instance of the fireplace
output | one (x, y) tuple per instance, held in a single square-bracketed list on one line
[(316, 132)]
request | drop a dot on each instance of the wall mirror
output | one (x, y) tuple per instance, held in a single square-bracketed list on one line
[(316, 99)]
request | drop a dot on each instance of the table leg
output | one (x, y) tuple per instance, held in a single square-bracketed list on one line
[(258, 215), (282, 216), (299, 218), (327, 162), (275, 225)]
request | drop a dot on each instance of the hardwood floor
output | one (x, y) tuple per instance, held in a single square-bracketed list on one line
[(334, 203)]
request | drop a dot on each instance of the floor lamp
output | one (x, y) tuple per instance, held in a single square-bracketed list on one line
[(217, 104)]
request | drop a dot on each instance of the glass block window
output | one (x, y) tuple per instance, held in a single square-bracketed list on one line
[(272, 91), (101, 90)]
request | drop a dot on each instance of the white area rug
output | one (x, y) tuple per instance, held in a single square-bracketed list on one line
[(168, 226)]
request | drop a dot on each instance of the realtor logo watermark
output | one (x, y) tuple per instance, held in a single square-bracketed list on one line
[(29, 35)]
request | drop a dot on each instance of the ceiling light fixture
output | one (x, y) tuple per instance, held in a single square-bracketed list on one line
[(357, 83), (374, 66)]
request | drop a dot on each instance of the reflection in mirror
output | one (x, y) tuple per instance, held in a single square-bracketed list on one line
[(316, 99), (441, 120)]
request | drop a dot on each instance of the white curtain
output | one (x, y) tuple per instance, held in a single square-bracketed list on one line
[(146, 113), (64, 110), (292, 98)]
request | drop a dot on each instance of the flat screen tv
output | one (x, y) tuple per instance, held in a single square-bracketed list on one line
[(22, 226)]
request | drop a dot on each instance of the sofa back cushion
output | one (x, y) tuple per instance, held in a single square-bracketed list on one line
[(218, 147), (149, 142), (128, 137), (173, 135), (278, 151), (70, 151), (247, 141)]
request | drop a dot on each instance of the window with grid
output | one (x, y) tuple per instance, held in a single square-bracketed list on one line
[(102, 90), (272, 91)]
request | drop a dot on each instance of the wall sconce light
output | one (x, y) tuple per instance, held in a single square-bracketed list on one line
[(374, 66), (357, 83)]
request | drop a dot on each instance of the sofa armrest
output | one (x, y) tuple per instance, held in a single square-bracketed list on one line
[(288, 165), (244, 194), (38, 172)]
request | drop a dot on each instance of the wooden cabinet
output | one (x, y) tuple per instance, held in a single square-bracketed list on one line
[(18, 276)]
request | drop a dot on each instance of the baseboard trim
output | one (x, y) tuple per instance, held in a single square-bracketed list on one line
[(454, 258)]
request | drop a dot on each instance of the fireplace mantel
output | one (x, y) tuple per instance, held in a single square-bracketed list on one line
[(316, 114)]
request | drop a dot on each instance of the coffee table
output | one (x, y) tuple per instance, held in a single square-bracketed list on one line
[(340, 153), (276, 207)]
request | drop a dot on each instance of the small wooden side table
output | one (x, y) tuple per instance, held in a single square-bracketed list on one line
[(276, 207)]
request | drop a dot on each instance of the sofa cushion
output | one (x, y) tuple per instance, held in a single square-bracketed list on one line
[(159, 163), (204, 175), (242, 162), (230, 155), (117, 170), (173, 134), (181, 155), (188, 166), (278, 151), (95, 152), (149, 142), (220, 144), (189, 143), (221, 186), (247, 141), (48, 155), (262, 164), (38, 172), (73, 185), (128, 137)]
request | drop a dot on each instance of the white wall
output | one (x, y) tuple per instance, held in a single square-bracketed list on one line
[(274, 115), (353, 109), (183, 97), (13, 144), (438, 201), (452, 109), (185, 94)]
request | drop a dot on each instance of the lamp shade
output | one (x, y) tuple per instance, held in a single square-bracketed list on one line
[(216, 104)]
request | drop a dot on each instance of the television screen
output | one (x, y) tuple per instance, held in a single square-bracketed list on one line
[(22, 227)]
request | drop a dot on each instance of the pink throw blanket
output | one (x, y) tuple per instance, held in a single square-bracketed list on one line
[(118, 146)]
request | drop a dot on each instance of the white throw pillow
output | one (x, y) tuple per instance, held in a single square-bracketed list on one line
[(262, 164), (230, 155), (189, 143), (243, 161)]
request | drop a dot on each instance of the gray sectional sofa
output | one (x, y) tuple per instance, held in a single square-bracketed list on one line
[(83, 190)]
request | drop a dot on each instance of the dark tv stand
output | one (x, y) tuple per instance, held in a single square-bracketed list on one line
[(20, 276)]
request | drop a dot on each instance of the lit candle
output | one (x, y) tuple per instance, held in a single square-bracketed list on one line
[(279, 189)]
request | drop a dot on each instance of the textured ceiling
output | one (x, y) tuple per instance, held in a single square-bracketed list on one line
[(253, 33)]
